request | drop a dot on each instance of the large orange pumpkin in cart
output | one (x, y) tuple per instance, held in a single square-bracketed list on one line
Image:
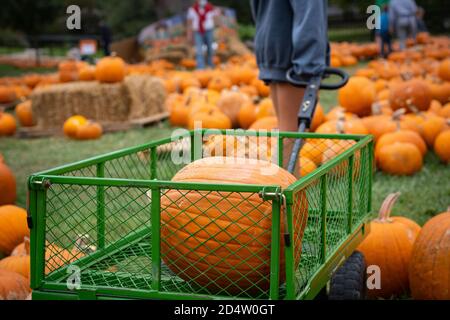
[(222, 240)]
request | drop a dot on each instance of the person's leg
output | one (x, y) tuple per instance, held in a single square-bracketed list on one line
[(389, 44), (287, 100), (198, 38), (402, 35), (413, 28), (382, 46), (209, 40)]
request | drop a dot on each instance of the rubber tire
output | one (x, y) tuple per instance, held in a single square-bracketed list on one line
[(349, 281)]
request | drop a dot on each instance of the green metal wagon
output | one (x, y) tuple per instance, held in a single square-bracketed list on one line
[(96, 224)]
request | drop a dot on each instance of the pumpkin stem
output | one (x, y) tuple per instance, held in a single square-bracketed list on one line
[(340, 125), (376, 108), (386, 207)]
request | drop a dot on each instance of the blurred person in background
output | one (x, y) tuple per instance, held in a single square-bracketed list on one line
[(381, 4), (200, 28), (421, 26), (384, 33), (402, 20), (106, 37)]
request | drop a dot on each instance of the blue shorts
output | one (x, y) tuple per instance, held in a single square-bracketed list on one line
[(290, 34)]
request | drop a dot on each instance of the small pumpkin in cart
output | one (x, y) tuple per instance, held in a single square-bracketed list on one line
[(398, 235)]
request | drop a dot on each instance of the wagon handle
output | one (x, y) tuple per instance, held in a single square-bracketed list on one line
[(309, 103), (298, 81)]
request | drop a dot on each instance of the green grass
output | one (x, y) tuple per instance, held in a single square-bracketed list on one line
[(11, 71)]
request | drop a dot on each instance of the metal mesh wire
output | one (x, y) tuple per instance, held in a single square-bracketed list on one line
[(211, 242)]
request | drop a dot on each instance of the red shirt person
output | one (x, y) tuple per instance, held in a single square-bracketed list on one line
[(201, 25)]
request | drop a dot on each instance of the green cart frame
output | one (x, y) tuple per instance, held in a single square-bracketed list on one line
[(96, 227)]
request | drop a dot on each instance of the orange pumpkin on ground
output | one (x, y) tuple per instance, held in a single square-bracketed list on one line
[(263, 89), (407, 136), (179, 115), (444, 70), (13, 227), (319, 118), (247, 115), (265, 109), (445, 111), (89, 131), (8, 193), (313, 149), (432, 126), (24, 113), (22, 249), (110, 70), (400, 158), (219, 83), (347, 126), (13, 286), (411, 95), (18, 263), (429, 270), (307, 166), (266, 123), (231, 233), (442, 146), (7, 94), (212, 119), (389, 246), (8, 124), (357, 96), (87, 73), (72, 124), (230, 103), (68, 71)]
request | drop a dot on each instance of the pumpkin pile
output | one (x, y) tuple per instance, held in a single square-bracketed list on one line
[(410, 259)]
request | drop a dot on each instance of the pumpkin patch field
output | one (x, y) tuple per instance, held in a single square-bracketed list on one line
[(402, 101)]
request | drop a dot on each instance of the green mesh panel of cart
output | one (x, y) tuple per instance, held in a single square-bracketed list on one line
[(99, 227)]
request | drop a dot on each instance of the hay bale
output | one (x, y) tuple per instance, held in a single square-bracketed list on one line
[(136, 97), (147, 95)]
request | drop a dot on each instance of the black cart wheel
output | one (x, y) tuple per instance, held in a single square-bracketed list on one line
[(349, 281)]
